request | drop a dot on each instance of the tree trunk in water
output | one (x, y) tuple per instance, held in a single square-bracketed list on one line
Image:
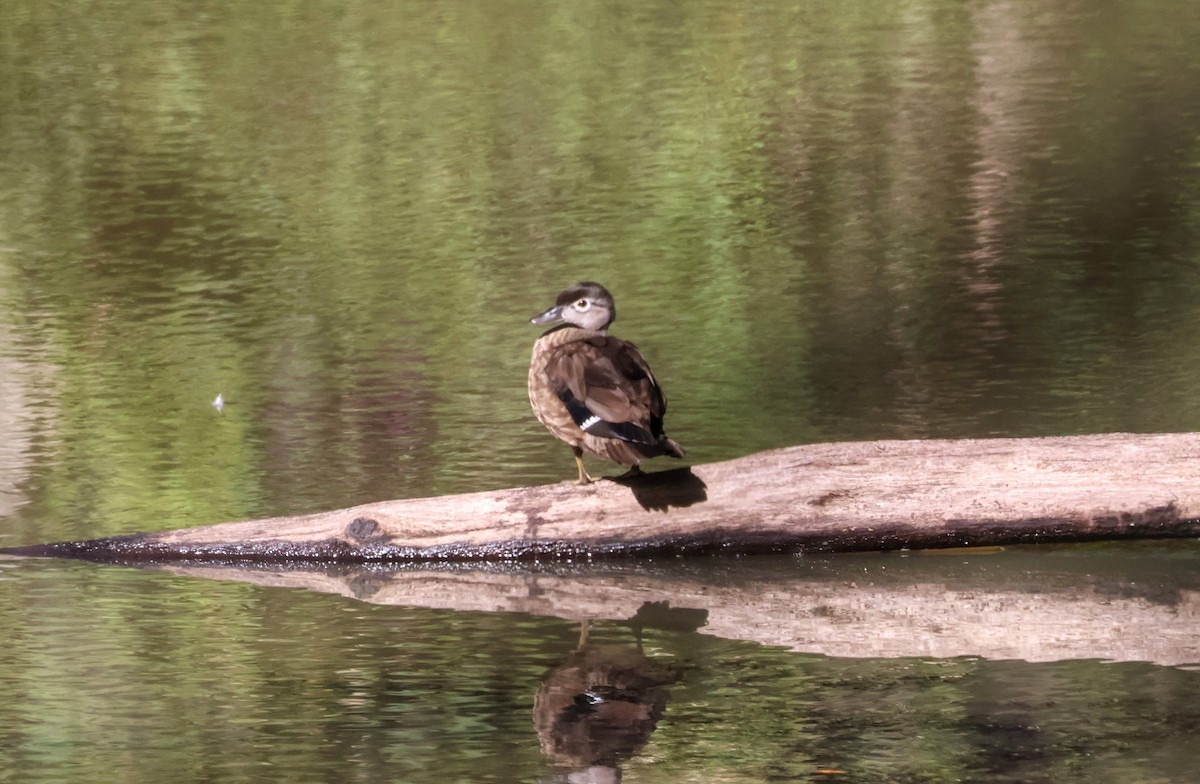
[(882, 495)]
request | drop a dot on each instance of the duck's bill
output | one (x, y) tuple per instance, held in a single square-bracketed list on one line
[(553, 314)]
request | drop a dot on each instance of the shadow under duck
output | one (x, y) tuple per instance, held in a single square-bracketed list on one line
[(595, 391)]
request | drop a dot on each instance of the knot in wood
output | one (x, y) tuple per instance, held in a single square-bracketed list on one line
[(362, 528)]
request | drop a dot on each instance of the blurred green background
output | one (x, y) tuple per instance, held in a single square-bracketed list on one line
[(821, 221)]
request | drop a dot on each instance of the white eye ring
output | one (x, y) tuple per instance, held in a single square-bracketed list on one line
[(582, 305)]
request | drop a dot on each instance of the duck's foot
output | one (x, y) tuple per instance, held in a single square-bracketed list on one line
[(584, 479)]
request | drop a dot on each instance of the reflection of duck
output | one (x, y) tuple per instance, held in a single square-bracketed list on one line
[(595, 391), (599, 708)]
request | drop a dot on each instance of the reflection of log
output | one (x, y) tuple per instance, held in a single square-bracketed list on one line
[(822, 497), (1035, 606)]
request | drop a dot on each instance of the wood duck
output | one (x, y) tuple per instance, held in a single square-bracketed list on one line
[(595, 391)]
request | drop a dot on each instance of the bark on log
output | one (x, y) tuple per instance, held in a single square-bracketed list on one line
[(882, 495)]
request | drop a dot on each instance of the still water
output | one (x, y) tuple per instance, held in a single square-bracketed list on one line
[(821, 221)]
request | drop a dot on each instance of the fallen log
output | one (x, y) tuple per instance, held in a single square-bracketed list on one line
[(882, 495)]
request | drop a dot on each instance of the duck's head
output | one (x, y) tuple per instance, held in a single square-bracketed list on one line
[(585, 304)]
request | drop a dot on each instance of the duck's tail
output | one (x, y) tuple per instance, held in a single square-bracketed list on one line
[(671, 447)]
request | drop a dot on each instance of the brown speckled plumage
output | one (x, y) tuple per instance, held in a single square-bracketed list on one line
[(595, 391)]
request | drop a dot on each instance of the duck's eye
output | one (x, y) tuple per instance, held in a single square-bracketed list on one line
[(582, 304)]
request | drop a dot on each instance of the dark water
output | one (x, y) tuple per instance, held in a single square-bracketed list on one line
[(821, 221)]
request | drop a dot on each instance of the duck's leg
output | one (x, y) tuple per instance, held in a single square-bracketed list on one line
[(584, 479)]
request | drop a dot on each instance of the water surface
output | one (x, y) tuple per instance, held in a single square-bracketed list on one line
[(821, 221), (116, 673)]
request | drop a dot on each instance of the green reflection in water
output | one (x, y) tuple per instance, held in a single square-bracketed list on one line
[(125, 674), (821, 221)]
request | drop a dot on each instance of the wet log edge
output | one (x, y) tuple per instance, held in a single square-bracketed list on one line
[(815, 498), (145, 548)]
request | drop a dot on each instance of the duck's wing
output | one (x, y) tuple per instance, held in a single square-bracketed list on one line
[(608, 389)]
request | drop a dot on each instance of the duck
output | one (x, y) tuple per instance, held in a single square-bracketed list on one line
[(593, 391)]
